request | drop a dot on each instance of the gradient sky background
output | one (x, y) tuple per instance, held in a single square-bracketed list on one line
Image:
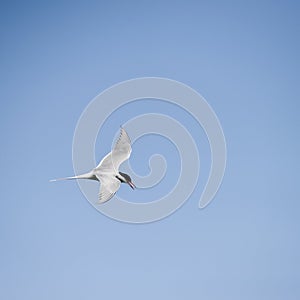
[(243, 57)]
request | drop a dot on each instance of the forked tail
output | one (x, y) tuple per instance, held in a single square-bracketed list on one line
[(83, 176)]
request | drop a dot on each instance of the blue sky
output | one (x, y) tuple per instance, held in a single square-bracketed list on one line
[(243, 57)]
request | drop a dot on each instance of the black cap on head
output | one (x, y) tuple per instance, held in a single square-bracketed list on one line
[(126, 176), (127, 180)]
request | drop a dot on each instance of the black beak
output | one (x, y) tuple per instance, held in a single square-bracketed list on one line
[(131, 184)]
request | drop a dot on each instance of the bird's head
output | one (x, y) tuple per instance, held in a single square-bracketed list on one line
[(127, 179)]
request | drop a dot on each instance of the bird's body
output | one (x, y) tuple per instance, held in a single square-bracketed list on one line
[(107, 171)]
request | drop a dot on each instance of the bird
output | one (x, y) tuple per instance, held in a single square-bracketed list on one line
[(107, 171)]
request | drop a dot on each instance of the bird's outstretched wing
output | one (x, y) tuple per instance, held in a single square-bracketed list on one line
[(121, 152), (108, 168), (108, 188)]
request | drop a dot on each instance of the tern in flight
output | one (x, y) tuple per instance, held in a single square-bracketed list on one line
[(107, 172)]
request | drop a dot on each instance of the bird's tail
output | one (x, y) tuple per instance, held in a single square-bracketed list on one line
[(82, 176), (65, 178)]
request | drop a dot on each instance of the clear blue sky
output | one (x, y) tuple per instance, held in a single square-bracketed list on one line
[(243, 57)]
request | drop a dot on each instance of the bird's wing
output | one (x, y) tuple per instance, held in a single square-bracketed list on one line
[(120, 153), (108, 188), (106, 165)]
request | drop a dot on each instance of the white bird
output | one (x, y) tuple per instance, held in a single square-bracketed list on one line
[(107, 172)]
